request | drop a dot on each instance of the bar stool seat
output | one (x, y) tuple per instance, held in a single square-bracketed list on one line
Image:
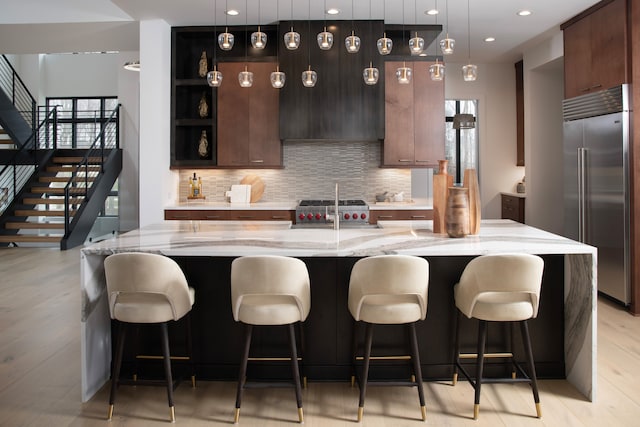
[(270, 290), (498, 288), (388, 290), (145, 288)]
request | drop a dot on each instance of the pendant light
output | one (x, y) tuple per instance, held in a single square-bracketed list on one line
[(370, 74), (245, 78), (403, 74), (309, 77), (469, 71), (447, 44), (416, 44), (436, 71), (277, 77), (225, 40), (258, 38), (325, 38), (384, 44), (214, 77), (292, 39), (352, 42)]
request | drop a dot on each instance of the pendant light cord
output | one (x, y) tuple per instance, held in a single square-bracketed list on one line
[(469, 28), (309, 32), (215, 33)]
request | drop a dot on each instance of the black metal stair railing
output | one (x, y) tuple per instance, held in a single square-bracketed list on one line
[(27, 159), (90, 169), (13, 86)]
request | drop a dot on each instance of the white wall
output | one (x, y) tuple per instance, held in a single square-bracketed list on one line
[(79, 75), (543, 94), (495, 91), (158, 184)]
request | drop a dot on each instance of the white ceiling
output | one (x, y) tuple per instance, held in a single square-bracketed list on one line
[(495, 18)]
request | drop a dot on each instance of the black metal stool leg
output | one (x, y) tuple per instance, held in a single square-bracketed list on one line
[(482, 339), (365, 369), (190, 349), (167, 369), (415, 357), (302, 353), (115, 372), (524, 327), (456, 346), (136, 351), (243, 370), (295, 370), (354, 351)]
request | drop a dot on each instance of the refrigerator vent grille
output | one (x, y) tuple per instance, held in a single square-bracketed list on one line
[(608, 101)]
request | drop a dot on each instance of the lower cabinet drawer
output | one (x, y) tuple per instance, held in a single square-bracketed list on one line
[(513, 208), (231, 215), (399, 215)]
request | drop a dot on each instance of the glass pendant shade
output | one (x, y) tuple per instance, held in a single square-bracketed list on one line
[(352, 43), (385, 45), (325, 40), (403, 74), (278, 78), (470, 73), (292, 40), (416, 45), (258, 39), (436, 71), (309, 77), (245, 78), (225, 40), (214, 78), (447, 45), (370, 75)]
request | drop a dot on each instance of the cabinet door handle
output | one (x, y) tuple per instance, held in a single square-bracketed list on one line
[(596, 86), (257, 161), (585, 89), (246, 217), (404, 160), (179, 217), (423, 161), (418, 216), (384, 216), (213, 217), (278, 217)]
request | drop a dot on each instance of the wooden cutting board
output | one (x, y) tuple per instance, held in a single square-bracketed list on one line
[(471, 182), (257, 186)]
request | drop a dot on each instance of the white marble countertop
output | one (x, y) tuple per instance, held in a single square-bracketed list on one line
[(238, 238), (418, 204), (512, 194)]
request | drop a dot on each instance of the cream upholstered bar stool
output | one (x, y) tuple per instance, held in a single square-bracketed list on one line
[(498, 288), (146, 288), (389, 290), (270, 290)]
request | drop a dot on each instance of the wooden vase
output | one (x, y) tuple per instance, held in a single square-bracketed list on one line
[(457, 213), (441, 183), (471, 183)]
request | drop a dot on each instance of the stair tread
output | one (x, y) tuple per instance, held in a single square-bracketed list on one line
[(63, 178), (34, 212), (92, 168), (51, 200), (56, 190), (74, 160), (26, 238), (16, 225)]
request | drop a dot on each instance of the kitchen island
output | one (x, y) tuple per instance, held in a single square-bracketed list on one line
[(563, 334)]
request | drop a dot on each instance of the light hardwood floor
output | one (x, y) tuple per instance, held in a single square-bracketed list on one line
[(40, 366)]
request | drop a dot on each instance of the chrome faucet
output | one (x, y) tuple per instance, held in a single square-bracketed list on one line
[(335, 218)]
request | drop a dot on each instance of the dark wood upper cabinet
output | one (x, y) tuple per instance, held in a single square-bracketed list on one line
[(340, 106), (596, 49), (414, 118), (248, 118)]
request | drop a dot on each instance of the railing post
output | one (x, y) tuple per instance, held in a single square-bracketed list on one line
[(66, 211)]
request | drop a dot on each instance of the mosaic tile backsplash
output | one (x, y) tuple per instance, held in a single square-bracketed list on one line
[(311, 170)]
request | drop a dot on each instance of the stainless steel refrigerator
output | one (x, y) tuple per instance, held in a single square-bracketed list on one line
[(597, 131)]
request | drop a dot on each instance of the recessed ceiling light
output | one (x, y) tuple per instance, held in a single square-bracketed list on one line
[(490, 39), (431, 12), (232, 12), (333, 11), (524, 13)]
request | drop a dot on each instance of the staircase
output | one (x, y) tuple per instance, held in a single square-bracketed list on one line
[(39, 217)]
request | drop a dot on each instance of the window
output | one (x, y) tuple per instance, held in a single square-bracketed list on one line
[(461, 145), (80, 120)]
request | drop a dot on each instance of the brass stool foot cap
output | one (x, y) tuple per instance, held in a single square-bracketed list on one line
[(513, 375), (476, 411), (423, 409), (360, 413), (300, 416), (172, 414), (110, 414), (304, 382), (353, 380), (236, 417), (193, 381), (413, 378), (455, 378), (538, 410)]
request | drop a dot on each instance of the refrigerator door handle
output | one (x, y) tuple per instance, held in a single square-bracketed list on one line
[(582, 192)]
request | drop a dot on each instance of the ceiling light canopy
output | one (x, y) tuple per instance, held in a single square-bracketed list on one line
[(132, 65)]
